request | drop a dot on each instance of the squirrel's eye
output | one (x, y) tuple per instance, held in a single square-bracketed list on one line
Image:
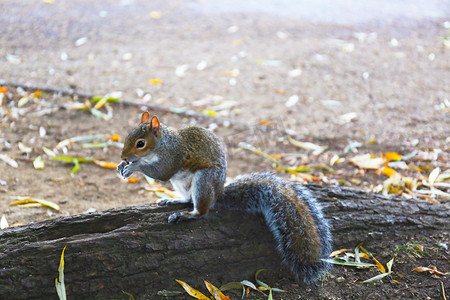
[(140, 144)]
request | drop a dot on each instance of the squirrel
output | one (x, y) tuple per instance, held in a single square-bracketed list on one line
[(194, 160)]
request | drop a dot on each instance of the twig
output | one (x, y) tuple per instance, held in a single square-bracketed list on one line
[(185, 113)]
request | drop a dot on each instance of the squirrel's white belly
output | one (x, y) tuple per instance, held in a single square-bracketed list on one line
[(182, 182)]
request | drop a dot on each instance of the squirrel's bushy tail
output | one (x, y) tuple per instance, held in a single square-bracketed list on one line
[(302, 234)]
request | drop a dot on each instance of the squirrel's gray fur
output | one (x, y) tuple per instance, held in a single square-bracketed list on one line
[(194, 160)]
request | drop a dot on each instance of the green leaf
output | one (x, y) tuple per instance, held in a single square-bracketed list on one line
[(76, 167), (167, 293), (259, 281), (231, 286), (376, 278), (97, 98)]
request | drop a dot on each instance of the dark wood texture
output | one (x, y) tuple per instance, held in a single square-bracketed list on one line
[(134, 249)]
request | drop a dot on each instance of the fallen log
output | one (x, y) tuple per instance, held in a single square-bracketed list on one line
[(134, 249)]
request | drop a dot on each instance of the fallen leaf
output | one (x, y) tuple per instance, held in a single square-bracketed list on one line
[(218, 295), (106, 164), (365, 161), (155, 14), (115, 137), (307, 146), (133, 180), (59, 282), (37, 94), (392, 156), (3, 222), (337, 252), (38, 163), (9, 160), (3, 90), (433, 175), (191, 291), (25, 200), (265, 123), (431, 270), (23, 148), (388, 171), (155, 81)]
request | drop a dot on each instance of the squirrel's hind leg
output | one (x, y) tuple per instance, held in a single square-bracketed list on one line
[(203, 195)]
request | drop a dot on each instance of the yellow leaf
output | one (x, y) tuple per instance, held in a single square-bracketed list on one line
[(209, 112), (191, 291), (24, 200), (155, 81), (218, 295), (392, 156), (388, 171), (155, 14), (106, 164), (337, 252)]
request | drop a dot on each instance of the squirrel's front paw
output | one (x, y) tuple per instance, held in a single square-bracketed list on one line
[(124, 169), (163, 201)]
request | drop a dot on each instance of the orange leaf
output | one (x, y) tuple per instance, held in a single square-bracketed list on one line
[(379, 265), (264, 123), (133, 180), (425, 269), (191, 291), (390, 156), (279, 91), (388, 171), (114, 137), (155, 81), (3, 90), (106, 164), (37, 94), (276, 156)]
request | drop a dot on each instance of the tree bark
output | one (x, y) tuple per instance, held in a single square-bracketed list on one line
[(135, 250)]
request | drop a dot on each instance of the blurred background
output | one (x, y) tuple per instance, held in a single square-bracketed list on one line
[(347, 69)]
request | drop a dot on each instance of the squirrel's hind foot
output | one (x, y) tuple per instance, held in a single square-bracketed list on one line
[(180, 216)]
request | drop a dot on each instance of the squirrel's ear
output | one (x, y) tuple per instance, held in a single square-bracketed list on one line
[(154, 125), (145, 118)]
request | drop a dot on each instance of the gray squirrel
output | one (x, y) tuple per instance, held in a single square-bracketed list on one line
[(194, 160)]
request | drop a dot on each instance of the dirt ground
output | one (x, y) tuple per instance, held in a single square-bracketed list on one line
[(384, 84)]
